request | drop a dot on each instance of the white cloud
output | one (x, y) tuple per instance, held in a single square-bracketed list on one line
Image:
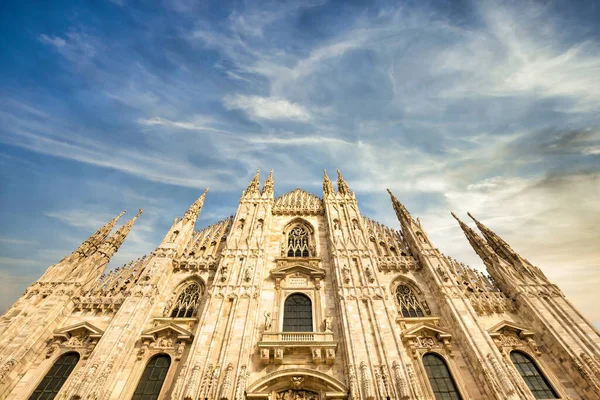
[(270, 108), (76, 47), (199, 123)]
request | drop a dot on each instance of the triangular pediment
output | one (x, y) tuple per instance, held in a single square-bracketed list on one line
[(298, 201), (424, 329), (287, 268), (505, 325), (179, 332), (81, 328)]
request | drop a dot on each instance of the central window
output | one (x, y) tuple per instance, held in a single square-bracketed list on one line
[(298, 245), (297, 314)]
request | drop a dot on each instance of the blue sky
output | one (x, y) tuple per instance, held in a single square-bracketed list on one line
[(482, 106)]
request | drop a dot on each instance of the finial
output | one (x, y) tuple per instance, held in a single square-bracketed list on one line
[(342, 185), (140, 211), (254, 185), (269, 186), (327, 185)]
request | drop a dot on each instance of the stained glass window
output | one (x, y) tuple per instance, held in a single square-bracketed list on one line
[(298, 242), (297, 314), (408, 303), (440, 379), (187, 302), (56, 377), (537, 383), (153, 378)]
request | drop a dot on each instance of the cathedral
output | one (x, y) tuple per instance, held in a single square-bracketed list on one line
[(296, 297)]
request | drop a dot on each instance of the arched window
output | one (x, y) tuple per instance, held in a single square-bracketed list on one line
[(56, 377), (537, 383), (298, 245), (441, 381), (153, 378), (408, 303), (297, 314), (187, 302)]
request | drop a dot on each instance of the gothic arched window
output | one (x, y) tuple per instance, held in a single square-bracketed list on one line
[(187, 302), (537, 383), (297, 314), (56, 377), (153, 378), (298, 242), (408, 303), (441, 381)]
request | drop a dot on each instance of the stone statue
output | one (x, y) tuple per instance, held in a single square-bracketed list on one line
[(268, 321), (328, 324)]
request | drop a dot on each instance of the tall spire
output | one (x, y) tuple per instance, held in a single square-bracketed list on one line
[(269, 185), (496, 242), (479, 245), (112, 244), (401, 211), (253, 187), (94, 241), (342, 185), (194, 211), (327, 185)]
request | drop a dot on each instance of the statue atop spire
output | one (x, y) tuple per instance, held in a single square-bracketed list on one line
[(496, 242), (112, 244), (194, 211), (327, 185), (480, 246), (254, 186), (94, 241), (342, 185), (269, 186)]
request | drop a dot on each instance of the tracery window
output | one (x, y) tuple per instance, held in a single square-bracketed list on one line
[(153, 378), (537, 383), (56, 377), (298, 242), (408, 303), (187, 302), (441, 381), (297, 314)]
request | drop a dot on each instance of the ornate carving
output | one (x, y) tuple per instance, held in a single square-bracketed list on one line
[(226, 386), (412, 378), (327, 323), (292, 394), (366, 381), (296, 382), (353, 381), (401, 384), (268, 321), (240, 388)]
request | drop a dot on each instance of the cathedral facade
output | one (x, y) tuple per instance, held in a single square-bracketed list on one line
[(296, 298)]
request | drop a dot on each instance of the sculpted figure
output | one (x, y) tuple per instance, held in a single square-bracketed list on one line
[(268, 321)]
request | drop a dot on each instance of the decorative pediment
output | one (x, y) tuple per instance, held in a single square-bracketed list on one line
[(508, 336), (423, 337), (82, 337), (298, 270), (167, 330), (505, 325), (168, 337), (298, 201), (82, 329)]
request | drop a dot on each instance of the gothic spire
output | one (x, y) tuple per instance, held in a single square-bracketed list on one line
[(269, 185), (327, 185), (496, 242), (401, 211), (112, 244), (480, 246), (194, 211), (94, 241), (254, 185), (342, 185)]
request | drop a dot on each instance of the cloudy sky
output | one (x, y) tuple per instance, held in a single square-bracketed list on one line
[(477, 106)]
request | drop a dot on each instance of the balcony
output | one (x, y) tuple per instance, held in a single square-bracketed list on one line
[(318, 346)]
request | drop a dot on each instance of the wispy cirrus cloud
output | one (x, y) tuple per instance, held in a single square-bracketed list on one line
[(488, 107)]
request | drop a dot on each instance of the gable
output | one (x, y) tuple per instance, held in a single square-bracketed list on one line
[(298, 201)]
